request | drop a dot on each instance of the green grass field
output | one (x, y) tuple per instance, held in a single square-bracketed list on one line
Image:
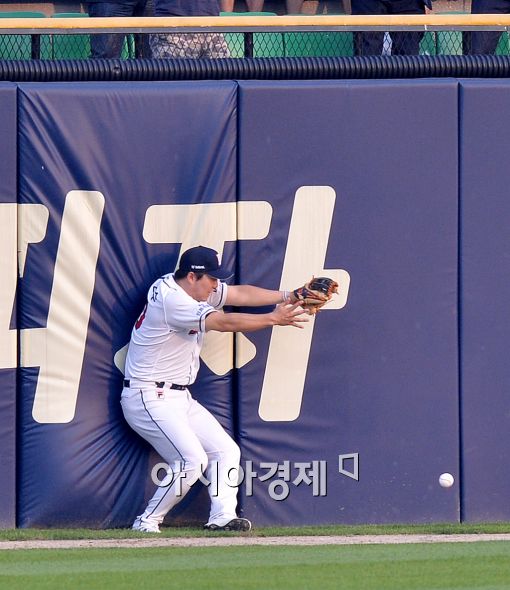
[(481, 565), (462, 566), (334, 529)]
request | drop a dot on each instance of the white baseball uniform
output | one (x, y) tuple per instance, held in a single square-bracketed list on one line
[(164, 351)]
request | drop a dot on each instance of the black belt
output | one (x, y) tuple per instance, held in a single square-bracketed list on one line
[(160, 385)]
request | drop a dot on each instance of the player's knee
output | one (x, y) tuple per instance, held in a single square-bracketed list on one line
[(196, 465), (235, 452), (231, 453)]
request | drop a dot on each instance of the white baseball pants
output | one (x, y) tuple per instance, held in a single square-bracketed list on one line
[(190, 439)]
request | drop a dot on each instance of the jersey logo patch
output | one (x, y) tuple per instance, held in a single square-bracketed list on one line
[(191, 332)]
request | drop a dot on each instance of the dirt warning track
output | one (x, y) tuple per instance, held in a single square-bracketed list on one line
[(248, 540)]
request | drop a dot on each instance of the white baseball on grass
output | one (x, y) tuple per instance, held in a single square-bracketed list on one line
[(446, 480)]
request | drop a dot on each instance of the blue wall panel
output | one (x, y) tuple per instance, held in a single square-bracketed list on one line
[(358, 178), (106, 155), (8, 347), (381, 379), (485, 292)]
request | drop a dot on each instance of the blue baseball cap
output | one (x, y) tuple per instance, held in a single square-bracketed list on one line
[(203, 260)]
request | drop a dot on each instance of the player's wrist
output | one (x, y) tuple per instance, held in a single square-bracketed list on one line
[(285, 296), (272, 318), (292, 297)]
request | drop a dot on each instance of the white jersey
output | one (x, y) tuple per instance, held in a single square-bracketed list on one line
[(167, 337)]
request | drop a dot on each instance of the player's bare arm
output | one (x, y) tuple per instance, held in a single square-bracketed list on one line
[(251, 296), (284, 314)]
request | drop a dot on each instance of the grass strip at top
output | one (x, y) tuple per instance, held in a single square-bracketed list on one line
[(328, 530)]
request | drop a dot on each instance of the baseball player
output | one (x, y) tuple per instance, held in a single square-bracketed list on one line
[(162, 363)]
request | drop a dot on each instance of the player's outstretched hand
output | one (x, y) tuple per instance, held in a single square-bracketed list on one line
[(289, 314)]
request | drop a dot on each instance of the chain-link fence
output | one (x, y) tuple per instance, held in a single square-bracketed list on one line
[(287, 42)]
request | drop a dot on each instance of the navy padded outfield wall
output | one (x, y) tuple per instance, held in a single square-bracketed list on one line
[(350, 420), (116, 178), (362, 182), (8, 337), (485, 261)]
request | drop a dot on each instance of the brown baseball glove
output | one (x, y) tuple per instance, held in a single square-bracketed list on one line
[(316, 293)]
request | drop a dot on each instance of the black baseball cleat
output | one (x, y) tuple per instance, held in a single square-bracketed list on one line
[(236, 524)]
